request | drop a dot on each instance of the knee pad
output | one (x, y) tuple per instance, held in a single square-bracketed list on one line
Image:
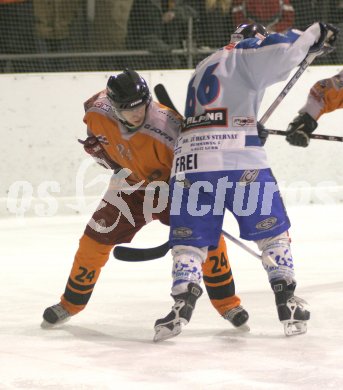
[(279, 249), (187, 261)]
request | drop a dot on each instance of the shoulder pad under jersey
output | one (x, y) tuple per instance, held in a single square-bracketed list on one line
[(162, 123), (98, 103)]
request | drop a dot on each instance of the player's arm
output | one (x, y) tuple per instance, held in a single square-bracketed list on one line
[(325, 96), (278, 54)]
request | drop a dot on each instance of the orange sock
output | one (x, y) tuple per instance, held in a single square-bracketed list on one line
[(89, 259), (219, 280)]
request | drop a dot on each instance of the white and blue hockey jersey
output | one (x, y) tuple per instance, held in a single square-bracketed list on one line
[(223, 100)]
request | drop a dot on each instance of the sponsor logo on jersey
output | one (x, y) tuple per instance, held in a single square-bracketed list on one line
[(210, 118), (266, 223), (243, 121), (182, 232), (103, 106), (158, 131), (248, 176)]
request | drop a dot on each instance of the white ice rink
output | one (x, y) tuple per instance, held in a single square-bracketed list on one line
[(109, 345)]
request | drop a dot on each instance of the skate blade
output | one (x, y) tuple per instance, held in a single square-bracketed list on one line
[(48, 325), (164, 333), (295, 328), (243, 328)]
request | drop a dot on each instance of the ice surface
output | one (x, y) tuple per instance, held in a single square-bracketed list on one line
[(109, 345)]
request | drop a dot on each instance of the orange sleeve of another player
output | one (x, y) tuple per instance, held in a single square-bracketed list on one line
[(325, 96)]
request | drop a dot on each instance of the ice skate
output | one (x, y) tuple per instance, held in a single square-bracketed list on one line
[(291, 310), (238, 317), (181, 313), (55, 315)]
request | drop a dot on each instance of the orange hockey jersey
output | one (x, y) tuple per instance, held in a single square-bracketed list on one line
[(325, 96), (147, 152)]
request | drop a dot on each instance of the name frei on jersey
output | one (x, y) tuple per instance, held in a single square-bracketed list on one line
[(220, 130)]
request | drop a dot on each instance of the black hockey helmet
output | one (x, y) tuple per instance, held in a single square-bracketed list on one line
[(252, 30), (127, 90)]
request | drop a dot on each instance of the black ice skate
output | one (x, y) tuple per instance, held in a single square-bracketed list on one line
[(55, 315), (290, 308), (238, 317), (181, 313)]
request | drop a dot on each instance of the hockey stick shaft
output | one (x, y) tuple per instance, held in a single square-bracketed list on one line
[(241, 245), (164, 98), (314, 136), (125, 253), (302, 67)]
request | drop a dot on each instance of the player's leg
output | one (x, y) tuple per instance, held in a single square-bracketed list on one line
[(94, 250), (90, 257), (189, 238), (187, 275), (268, 226), (291, 309), (219, 281), (220, 285)]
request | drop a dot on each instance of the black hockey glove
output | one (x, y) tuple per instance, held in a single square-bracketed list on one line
[(300, 128), (326, 41), (93, 147), (262, 133)]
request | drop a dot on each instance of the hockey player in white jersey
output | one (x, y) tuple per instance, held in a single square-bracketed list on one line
[(219, 163)]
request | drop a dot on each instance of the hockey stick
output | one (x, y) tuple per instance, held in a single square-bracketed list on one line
[(163, 97), (243, 246), (326, 49), (314, 136), (125, 253)]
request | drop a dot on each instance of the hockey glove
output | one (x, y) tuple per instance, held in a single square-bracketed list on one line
[(300, 128), (326, 41), (93, 147), (262, 133)]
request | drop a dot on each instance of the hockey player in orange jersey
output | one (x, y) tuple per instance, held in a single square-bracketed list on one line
[(126, 129), (325, 96)]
